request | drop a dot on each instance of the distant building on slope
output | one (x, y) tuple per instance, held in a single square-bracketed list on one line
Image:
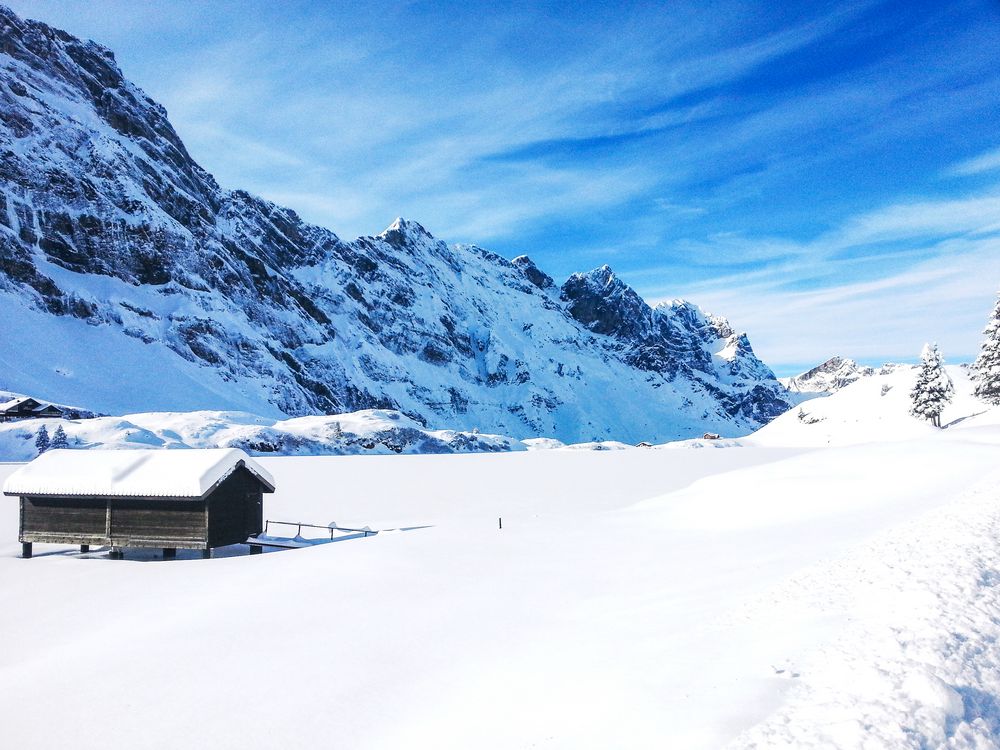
[(27, 408), (169, 499)]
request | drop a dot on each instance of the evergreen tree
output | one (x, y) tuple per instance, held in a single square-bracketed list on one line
[(986, 369), (42, 440), (59, 439), (933, 389)]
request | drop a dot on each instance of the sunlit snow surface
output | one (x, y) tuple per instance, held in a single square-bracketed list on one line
[(760, 595)]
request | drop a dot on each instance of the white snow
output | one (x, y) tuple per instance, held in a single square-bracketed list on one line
[(370, 431), (759, 595), (77, 359), (189, 473), (874, 409)]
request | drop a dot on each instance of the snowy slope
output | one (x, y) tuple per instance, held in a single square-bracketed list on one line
[(373, 431), (764, 597), (874, 409), (146, 286), (916, 663)]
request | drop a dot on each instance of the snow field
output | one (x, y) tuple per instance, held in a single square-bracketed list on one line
[(758, 595), (591, 620)]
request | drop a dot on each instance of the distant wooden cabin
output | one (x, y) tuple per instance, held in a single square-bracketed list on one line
[(169, 499), (27, 408), (48, 410)]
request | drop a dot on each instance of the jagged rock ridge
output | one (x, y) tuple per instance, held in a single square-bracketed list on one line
[(147, 286), (828, 377)]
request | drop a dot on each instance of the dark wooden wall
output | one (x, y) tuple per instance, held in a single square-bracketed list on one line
[(158, 523), (120, 522), (235, 510), (64, 520)]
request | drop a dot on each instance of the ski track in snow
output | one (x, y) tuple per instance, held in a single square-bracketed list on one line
[(918, 665)]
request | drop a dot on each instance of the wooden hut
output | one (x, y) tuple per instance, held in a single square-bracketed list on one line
[(169, 499)]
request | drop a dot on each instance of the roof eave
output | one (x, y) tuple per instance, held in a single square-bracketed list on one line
[(268, 487), (103, 496)]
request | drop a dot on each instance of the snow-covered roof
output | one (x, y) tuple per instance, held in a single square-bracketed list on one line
[(131, 473), (14, 403), (46, 407)]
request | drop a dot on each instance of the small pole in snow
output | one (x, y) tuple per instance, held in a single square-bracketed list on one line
[(500, 521)]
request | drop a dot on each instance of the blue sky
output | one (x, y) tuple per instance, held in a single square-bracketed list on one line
[(826, 175)]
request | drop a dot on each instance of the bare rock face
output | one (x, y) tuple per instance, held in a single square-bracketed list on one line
[(531, 272), (605, 304), (107, 222)]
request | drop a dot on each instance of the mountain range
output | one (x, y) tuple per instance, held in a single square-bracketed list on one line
[(131, 281)]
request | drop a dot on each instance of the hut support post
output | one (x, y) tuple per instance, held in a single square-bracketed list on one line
[(116, 553), (169, 553), (256, 549), (26, 550), (206, 553), (84, 548)]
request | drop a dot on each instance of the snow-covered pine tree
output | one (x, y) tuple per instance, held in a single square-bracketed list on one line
[(986, 368), (933, 389), (42, 440), (59, 439)]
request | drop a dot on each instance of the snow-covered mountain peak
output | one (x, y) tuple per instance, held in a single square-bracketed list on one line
[(682, 309), (403, 230), (672, 304), (602, 277), (828, 377)]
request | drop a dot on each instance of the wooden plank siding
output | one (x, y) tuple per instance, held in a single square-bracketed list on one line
[(158, 523), (235, 510), (79, 521)]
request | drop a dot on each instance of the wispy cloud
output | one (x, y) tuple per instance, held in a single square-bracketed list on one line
[(988, 162), (975, 215), (813, 303), (945, 299), (407, 127)]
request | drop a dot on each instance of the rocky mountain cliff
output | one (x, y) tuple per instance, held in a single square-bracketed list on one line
[(829, 377), (130, 280)]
